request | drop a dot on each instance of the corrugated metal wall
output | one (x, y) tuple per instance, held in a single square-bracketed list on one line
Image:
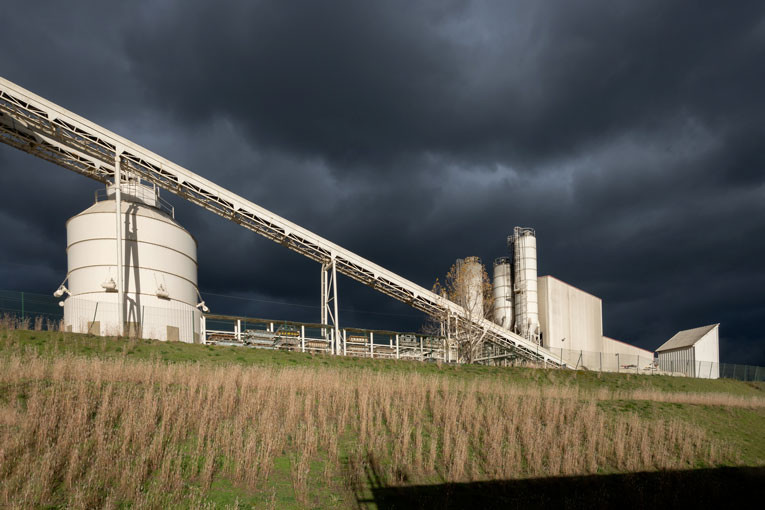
[(680, 361)]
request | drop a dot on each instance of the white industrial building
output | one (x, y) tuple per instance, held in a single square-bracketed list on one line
[(158, 258), (559, 317), (692, 352), (571, 323), (569, 318)]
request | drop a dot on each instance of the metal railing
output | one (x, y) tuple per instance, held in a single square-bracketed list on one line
[(144, 194), (321, 338)]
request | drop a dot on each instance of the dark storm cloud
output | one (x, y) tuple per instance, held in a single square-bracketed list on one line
[(628, 134), (357, 81)]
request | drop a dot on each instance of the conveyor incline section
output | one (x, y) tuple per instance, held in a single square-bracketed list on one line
[(44, 129)]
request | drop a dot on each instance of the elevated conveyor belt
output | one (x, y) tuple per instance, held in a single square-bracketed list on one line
[(44, 129)]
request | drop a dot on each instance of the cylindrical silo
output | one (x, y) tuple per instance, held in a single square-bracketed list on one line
[(503, 293), (159, 269), (470, 285), (524, 243)]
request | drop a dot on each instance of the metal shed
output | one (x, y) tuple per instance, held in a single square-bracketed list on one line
[(692, 352)]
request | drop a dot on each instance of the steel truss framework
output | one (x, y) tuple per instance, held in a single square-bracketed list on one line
[(44, 129)]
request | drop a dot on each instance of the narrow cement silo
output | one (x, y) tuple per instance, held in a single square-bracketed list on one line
[(470, 285), (524, 249), (503, 293), (159, 260)]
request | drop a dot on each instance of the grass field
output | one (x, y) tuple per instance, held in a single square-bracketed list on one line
[(88, 422)]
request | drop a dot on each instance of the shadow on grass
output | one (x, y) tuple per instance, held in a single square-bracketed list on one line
[(701, 488)]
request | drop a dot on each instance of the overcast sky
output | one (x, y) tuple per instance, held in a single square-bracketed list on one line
[(630, 135)]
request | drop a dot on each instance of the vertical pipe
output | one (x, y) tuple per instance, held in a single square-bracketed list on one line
[(334, 296), (324, 297), (302, 338), (345, 343), (118, 217), (371, 344), (397, 349), (447, 341), (238, 330), (203, 329)]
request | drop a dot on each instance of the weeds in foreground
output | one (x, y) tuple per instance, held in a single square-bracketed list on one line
[(97, 433)]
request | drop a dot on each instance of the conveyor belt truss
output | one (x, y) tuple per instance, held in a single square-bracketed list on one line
[(44, 129)]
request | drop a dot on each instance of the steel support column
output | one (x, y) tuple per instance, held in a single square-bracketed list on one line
[(120, 248), (329, 313)]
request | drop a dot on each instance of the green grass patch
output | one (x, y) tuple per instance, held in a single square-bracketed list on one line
[(47, 343)]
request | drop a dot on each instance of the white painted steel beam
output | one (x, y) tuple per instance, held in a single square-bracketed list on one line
[(44, 129), (118, 218)]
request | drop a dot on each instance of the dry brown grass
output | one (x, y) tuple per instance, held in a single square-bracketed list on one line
[(709, 399), (11, 322), (94, 433)]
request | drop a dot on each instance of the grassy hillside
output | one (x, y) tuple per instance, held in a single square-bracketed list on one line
[(102, 422), (49, 344)]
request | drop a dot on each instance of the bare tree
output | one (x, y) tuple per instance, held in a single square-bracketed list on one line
[(467, 284)]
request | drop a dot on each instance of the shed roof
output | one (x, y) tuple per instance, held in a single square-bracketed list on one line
[(686, 338)]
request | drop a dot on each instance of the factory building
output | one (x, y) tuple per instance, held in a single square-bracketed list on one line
[(692, 352), (159, 269), (628, 351), (571, 323), (569, 318), (558, 316)]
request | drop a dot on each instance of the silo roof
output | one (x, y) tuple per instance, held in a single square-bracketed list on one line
[(686, 338)]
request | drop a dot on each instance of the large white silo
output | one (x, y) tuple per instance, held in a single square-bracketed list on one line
[(503, 293), (470, 285), (159, 259), (524, 243)]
